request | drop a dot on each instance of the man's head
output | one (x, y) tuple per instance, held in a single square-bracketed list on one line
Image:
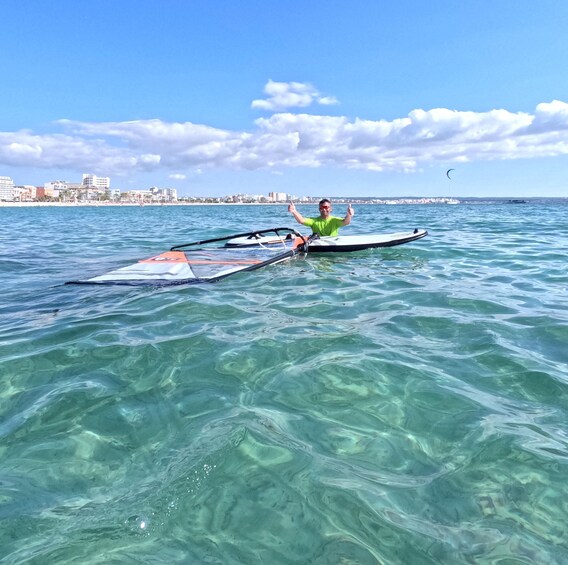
[(325, 208)]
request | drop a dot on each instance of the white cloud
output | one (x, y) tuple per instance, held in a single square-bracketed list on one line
[(294, 140), (24, 148), (177, 176), (284, 95)]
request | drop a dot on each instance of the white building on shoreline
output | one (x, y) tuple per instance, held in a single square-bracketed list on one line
[(153, 194), (7, 189), (93, 181), (278, 196)]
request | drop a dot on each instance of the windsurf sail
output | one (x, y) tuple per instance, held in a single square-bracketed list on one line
[(205, 261)]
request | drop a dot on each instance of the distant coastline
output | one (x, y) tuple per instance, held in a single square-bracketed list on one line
[(114, 204), (339, 200), (95, 204)]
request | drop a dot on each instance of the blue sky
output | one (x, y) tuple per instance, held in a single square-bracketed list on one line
[(359, 98)]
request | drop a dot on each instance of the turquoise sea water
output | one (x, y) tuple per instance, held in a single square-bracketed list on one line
[(405, 405)]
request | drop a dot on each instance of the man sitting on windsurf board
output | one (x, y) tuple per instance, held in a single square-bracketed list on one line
[(325, 224)]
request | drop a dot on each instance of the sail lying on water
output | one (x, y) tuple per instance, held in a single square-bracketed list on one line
[(204, 261)]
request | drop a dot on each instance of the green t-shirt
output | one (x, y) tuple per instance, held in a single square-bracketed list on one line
[(324, 227)]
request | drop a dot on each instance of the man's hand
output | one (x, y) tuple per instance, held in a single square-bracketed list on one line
[(292, 208), (348, 216)]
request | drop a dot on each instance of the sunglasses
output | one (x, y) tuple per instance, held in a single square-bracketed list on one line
[(325, 207)]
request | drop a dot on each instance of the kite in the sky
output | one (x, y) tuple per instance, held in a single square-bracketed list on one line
[(448, 173)]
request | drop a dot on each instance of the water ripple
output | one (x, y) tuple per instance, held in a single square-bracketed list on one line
[(404, 405)]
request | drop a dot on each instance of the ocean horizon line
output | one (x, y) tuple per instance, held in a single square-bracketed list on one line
[(360, 200)]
